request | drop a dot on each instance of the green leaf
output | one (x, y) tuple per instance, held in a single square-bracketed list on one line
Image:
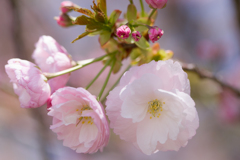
[(104, 37), (80, 36), (117, 66), (94, 26), (114, 16), (143, 44), (131, 12), (83, 20), (136, 52), (100, 17), (103, 6), (83, 11)]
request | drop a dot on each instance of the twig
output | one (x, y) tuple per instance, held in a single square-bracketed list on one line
[(209, 75)]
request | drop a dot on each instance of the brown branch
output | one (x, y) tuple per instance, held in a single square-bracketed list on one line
[(208, 75)]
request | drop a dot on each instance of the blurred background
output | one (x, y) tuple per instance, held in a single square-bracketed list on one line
[(204, 32)]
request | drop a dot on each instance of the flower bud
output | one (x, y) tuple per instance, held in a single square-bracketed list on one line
[(65, 4), (136, 35), (51, 57), (64, 20), (156, 3), (155, 34), (123, 32)]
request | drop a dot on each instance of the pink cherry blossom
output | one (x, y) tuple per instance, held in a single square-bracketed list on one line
[(123, 32), (152, 107), (28, 82), (157, 3), (78, 120), (155, 33), (52, 57)]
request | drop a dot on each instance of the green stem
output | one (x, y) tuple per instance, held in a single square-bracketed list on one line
[(142, 8), (107, 63), (115, 84), (153, 11), (106, 81), (131, 1), (80, 64)]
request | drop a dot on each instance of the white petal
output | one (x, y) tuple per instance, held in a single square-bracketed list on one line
[(88, 133)]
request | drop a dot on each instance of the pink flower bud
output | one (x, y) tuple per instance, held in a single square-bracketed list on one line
[(156, 3), (79, 120), (64, 20), (28, 82), (155, 33), (123, 32), (52, 57), (66, 4), (136, 36)]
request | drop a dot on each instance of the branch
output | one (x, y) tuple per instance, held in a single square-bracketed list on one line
[(208, 75)]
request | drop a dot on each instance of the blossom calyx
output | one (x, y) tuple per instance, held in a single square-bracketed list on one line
[(123, 32), (29, 83), (136, 35), (155, 33), (157, 3)]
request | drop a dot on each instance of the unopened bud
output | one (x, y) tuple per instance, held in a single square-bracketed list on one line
[(157, 3), (65, 4), (155, 33), (123, 32), (64, 20), (136, 36)]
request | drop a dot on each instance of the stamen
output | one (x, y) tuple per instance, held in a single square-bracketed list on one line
[(155, 107)]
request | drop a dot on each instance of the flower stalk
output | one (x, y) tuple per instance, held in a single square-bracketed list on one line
[(99, 73), (151, 14), (79, 65), (106, 81)]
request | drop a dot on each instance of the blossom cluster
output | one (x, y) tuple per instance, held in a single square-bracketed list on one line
[(151, 106)]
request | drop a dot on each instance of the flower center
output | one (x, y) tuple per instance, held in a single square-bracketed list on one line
[(83, 120), (155, 107)]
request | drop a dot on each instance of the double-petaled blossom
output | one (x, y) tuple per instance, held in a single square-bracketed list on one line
[(136, 35), (156, 3), (52, 57), (29, 83), (155, 33), (65, 6), (123, 32), (78, 120), (152, 107)]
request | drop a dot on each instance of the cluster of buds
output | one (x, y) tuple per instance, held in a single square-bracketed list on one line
[(155, 33), (124, 32)]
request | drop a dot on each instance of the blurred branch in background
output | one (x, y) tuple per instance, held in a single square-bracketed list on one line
[(209, 75), (237, 5), (16, 30)]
